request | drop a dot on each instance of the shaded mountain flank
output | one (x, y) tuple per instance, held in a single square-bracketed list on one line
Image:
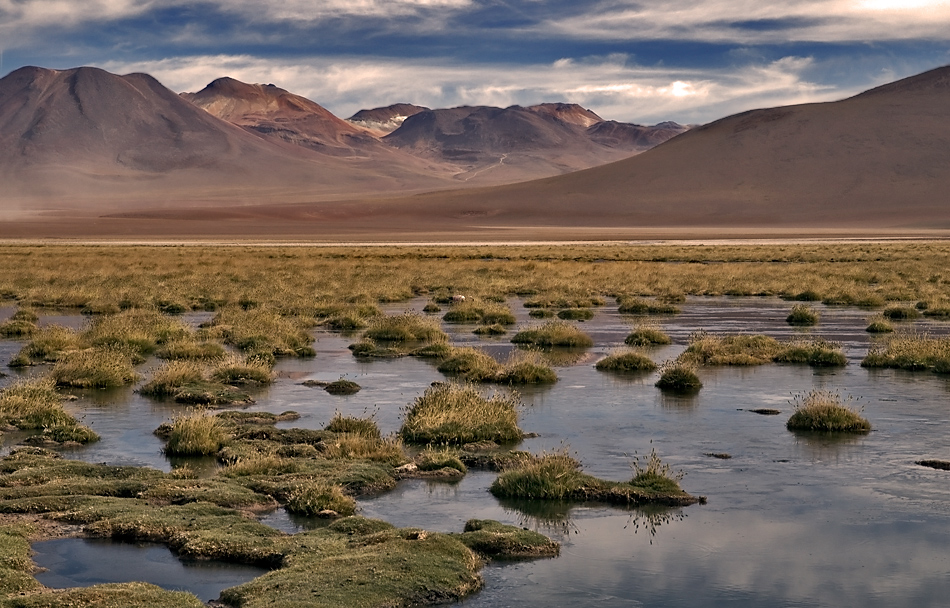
[(86, 139), (384, 121)]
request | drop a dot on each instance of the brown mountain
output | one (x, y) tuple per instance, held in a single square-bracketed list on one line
[(878, 160), (88, 139), (267, 110), (385, 120), (511, 144)]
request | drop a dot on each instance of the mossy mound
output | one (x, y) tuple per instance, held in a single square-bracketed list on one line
[(631, 361), (559, 477), (342, 387), (498, 541)]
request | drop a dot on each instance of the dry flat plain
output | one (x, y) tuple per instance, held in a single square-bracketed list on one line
[(200, 331)]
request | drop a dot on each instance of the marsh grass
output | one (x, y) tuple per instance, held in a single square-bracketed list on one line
[(879, 324), (242, 370), (319, 499), (407, 327), (824, 411), (741, 349), (553, 333), (103, 367), (498, 541), (901, 313), (540, 313), (912, 351), (576, 314), (678, 376), (196, 433), (22, 324), (436, 459), (35, 405), (644, 335), (490, 330), (525, 367), (558, 476), (470, 364), (190, 349), (263, 330), (455, 414), (365, 427), (168, 379), (342, 387), (139, 331), (653, 475), (629, 305), (109, 595), (802, 315), (626, 361), (49, 344), (816, 353)]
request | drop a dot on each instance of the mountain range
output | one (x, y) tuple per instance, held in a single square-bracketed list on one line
[(123, 154)]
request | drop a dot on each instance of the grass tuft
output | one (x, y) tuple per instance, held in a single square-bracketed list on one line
[(103, 367), (320, 499), (196, 434), (629, 361), (457, 414), (647, 336), (553, 333), (823, 411), (407, 327), (802, 315), (678, 376)]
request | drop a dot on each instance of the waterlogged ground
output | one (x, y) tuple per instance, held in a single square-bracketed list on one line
[(791, 520)]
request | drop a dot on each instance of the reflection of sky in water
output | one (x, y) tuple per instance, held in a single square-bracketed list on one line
[(792, 520)]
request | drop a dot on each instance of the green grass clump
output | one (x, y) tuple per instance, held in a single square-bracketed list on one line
[(630, 361), (110, 595), (502, 542), (138, 331), (802, 315), (196, 434), (637, 306), (342, 387), (470, 364), (655, 475), (678, 376), (558, 476), (15, 562), (365, 427), (553, 333), (103, 367), (34, 405), (262, 330), (576, 314), (490, 330), (191, 350), (525, 368), (900, 313), (457, 414), (242, 371), (407, 327), (816, 353), (436, 459), (320, 500), (49, 344), (22, 324), (823, 411), (879, 325), (910, 351), (711, 349), (647, 336)]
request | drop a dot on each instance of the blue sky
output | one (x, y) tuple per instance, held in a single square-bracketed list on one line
[(644, 61)]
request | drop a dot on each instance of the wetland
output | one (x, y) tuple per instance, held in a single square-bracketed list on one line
[(765, 514)]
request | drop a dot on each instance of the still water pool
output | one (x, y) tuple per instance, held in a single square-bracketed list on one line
[(791, 520)]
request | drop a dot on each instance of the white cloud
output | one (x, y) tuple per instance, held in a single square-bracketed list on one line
[(610, 87), (761, 22)]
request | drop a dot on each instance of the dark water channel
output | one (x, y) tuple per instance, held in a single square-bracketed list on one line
[(791, 520), (80, 562)]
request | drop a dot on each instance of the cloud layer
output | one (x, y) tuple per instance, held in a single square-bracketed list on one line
[(645, 61)]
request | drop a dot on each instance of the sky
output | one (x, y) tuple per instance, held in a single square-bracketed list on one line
[(646, 61)]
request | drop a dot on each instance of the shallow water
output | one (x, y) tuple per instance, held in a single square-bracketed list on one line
[(791, 520), (82, 562)]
